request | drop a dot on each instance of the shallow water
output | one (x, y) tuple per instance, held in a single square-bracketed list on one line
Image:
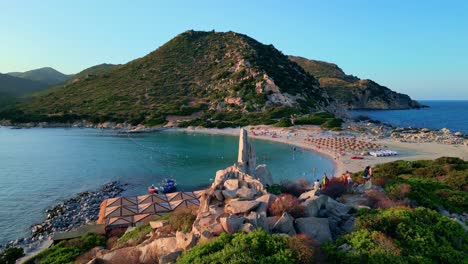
[(40, 167)]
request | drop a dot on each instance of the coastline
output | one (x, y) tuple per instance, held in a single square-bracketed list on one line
[(406, 150)]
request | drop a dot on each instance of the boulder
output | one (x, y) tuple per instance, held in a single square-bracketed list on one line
[(263, 175), (307, 195), (264, 201), (253, 218), (170, 258), (270, 222), (232, 223), (185, 240), (316, 228), (247, 227), (158, 224), (205, 236), (158, 247), (219, 195), (458, 134), (285, 225), (229, 194), (235, 206), (313, 204), (231, 184), (337, 209), (246, 193)]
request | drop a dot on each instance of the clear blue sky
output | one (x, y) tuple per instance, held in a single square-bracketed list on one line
[(414, 47)]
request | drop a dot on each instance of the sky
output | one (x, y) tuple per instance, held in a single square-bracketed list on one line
[(415, 47)]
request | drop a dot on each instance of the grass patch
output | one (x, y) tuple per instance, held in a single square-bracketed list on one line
[(68, 251)]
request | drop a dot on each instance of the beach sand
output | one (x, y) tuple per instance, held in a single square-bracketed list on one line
[(406, 151)]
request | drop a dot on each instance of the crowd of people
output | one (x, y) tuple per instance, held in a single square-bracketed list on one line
[(345, 178)]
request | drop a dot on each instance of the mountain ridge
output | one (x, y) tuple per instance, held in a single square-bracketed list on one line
[(351, 91), (209, 73), (46, 75)]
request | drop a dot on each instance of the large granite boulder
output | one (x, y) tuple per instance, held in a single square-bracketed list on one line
[(263, 175), (246, 193), (316, 228), (236, 206), (337, 209), (285, 225), (313, 204), (229, 194), (307, 195), (231, 224), (185, 240), (264, 201), (231, 184)]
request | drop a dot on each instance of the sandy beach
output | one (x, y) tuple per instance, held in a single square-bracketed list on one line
[(296, 136)]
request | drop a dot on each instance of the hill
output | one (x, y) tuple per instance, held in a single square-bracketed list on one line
[(12, 87), (92, 72), (46, 75), (225, 76), (353, 92)]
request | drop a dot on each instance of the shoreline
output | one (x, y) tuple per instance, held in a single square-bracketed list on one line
[(66, 215), (406, 150)]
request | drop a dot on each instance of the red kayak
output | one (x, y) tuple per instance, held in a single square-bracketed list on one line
[(357, 157)]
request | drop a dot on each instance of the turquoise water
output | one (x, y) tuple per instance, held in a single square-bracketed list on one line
[(39, 167), (449, 114)]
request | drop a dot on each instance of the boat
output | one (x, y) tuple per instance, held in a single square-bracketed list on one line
[(168, 186), (357, 157)]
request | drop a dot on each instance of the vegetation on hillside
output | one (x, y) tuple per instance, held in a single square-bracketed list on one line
[(441, 183), (401, 235), (257, 246), (213, 74), (68, 251), (351, 91)]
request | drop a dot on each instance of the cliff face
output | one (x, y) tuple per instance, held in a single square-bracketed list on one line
[(353, 92)]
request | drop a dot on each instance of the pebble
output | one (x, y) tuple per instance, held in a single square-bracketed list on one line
[(68, 215)]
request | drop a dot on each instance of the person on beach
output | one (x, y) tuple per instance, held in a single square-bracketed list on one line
[(371, 172), (366, 174), (317, 185), (325, 180)]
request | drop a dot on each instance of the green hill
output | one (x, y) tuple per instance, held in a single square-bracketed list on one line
[(44, 75), (219, 76), (92, 72), (353, 92), (13, 87)]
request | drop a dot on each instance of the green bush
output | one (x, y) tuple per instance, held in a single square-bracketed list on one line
[(10, 255), (182, 220), (283, 122), (136, 234), (68, 251), (255, 247), (402, 235), (332, 123)]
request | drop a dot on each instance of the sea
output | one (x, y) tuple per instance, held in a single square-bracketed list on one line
[(41, 167), (440, 114)]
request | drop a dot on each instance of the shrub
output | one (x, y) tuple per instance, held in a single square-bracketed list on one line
[(182, 220), (295, 188), (378, 199), (68, 251), (332, 123), (275, 189), (137, 235), (283, 122), (399, 191), (10, 255), (335, 188), (257, 246), (303, 247), (402, 235), (286, 203)]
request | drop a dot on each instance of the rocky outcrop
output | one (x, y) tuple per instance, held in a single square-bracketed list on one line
[(314, 227), (353, 92)]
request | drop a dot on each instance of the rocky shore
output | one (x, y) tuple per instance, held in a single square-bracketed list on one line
[(69, 214), (377, 130)]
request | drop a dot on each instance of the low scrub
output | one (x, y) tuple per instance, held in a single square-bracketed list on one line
[(286, 203), (10, 255), (401, 235), (68, 251), (431, 183), (257, 246), (335, 188), (136, 235), (182, 220)]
